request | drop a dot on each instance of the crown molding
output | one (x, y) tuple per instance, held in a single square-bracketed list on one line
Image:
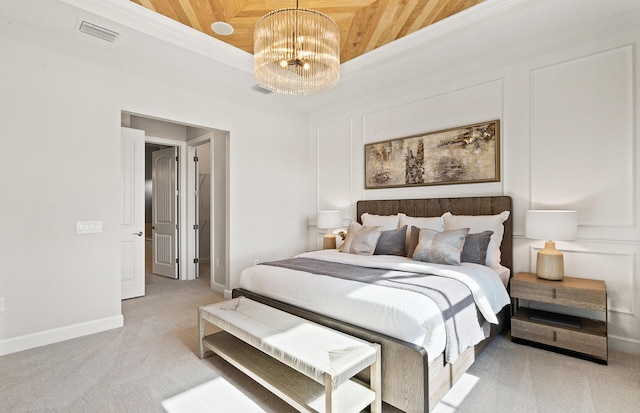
[(141, 19), (428, 35), (155, 24)]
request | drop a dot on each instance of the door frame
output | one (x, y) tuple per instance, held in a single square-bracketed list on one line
[(193, 194), (215, 253), (182, 201)]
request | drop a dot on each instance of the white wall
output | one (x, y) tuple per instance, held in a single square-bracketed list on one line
[(569, 140), (60, 128)]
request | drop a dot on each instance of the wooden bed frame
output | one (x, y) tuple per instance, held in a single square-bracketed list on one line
[(409, 382)]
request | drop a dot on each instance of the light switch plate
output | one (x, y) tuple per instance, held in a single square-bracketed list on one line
[(88, 227)]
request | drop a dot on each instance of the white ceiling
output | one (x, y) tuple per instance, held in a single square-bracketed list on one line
[(494, 33)]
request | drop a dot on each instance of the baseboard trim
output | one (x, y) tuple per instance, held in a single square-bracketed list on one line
[(624, 344), (42, 338), (219, 288)]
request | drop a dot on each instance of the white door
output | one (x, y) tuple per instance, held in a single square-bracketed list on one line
[(132, 213), (165, 212)]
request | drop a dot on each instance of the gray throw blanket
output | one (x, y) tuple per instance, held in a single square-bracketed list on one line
[(464, 325)]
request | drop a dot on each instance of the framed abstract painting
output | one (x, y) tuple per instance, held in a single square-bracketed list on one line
[(462, 155)]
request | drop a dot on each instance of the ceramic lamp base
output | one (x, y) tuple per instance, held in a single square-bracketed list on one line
[(329, 242), (550, 263)]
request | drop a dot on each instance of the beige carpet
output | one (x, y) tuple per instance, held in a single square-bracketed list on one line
[(151, 365)]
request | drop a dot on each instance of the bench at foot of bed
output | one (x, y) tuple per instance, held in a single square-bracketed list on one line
[(309, 366)]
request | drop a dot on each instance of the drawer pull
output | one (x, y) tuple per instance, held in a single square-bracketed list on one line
[(555, 337), (553, 294)]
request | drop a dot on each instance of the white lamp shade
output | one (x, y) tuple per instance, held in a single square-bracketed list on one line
[(551, 225), (329, 219)]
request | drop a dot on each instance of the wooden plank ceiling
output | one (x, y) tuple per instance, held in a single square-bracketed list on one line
[(364, 24)]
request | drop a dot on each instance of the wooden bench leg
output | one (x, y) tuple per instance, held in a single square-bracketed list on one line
[(201, 333), (376, 381), (328, 393)]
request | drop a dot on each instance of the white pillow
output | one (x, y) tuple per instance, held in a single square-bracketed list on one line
[(434, 223), (387, 222), (477, 224)]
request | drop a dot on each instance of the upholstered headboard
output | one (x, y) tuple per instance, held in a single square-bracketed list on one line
[(435, 207)]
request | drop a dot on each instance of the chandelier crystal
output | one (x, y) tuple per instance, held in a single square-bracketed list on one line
[(296, 51)]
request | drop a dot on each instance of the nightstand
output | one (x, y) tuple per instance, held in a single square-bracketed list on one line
[(579, 336)]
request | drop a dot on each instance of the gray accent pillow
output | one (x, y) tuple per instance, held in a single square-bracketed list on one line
[(391, 242), (361, 240), (440, 247), (475, 247)]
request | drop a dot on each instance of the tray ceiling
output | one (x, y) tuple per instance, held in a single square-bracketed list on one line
[(364, 24)]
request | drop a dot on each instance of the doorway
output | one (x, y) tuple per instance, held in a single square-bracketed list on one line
[(213, 235), (210, 205)]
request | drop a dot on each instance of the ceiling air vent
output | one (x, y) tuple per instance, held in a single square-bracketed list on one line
[(262, 90), (97, 31)]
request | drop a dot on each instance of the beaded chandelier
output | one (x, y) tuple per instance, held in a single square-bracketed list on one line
[(296, 51)]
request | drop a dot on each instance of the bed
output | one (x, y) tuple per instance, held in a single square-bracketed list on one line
[(418, 365)]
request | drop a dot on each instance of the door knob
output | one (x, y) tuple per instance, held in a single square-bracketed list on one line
[(138, 233)]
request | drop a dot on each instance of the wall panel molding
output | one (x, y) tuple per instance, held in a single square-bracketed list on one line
[(460, 106), (580, 161), (334, 165)]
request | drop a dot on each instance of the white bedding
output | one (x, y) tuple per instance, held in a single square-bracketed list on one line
[(402, 314)]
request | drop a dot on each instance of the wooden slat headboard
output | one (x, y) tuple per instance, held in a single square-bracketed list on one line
[(435, 207)]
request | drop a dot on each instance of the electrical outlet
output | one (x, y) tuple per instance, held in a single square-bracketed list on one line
[(1, 304), (88, 227)]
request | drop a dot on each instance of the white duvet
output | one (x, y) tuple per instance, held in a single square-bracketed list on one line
[(402, 314)]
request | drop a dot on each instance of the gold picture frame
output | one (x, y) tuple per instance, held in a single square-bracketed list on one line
[(462, 155)]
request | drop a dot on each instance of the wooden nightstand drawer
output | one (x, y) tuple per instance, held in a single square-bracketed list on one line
[(571, 292), (577, 335), (590, 339)]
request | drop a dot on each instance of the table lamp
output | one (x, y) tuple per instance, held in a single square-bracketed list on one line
[(551, 225), (329, 220)]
